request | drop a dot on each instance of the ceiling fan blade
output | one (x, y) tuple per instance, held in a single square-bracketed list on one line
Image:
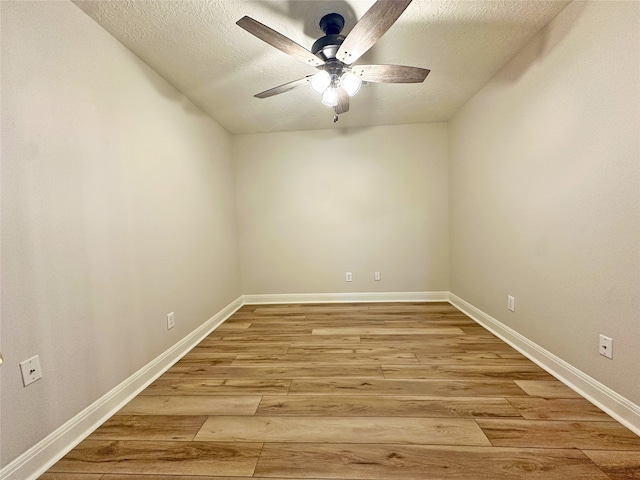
[(390, 73), (343, 102), (279, 41), (373, 24), (284, 88)]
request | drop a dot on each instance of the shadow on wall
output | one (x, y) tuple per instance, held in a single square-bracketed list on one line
[(541, 46), (168, 91)]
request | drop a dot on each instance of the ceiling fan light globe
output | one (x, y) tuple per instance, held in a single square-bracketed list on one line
[(351, 83), (330, 97), (320, 81)]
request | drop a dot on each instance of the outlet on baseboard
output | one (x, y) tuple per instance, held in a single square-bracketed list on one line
[(170, 321)]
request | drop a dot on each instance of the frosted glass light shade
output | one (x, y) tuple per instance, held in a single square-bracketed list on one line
[(320, 81), (351, 83), (330, 97)]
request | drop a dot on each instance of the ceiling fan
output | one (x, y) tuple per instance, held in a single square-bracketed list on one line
[(334, 54)]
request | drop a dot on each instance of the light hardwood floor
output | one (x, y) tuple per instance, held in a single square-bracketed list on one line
[(363, 391)]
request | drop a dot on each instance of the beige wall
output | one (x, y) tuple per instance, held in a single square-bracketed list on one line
[(545, 192), (118, 205), (117, 208), (313, 205)]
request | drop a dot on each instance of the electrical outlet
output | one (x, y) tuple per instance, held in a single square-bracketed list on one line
[(511, 303), (348, 277), (605, 346), (376, 276), (31, 370), (170, 321)]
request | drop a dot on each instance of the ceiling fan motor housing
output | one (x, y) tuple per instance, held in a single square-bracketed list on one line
[(327, 47)]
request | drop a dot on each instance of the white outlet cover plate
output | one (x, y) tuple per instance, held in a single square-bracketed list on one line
[(170, 321), (511, 303), (31, 370), (348, 276), (605, 346)]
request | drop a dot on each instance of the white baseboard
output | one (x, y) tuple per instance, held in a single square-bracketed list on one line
[(614, 404), (358, 297), (39, 458)]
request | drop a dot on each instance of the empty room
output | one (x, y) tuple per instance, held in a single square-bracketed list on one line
[(308, 239)]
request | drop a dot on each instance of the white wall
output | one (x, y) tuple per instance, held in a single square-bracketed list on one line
[(117, 208), (545, 192), (313, 205)]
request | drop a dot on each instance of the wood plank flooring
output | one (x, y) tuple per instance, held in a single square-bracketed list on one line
[(354, 391)]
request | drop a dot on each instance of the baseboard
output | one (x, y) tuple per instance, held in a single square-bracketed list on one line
[(358, 297), (39, 458), (614, 404), (35, 461)]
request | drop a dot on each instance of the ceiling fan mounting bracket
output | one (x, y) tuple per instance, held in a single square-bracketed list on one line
[(332, 23)]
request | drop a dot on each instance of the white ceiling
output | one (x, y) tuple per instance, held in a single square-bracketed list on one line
[(198, 48)]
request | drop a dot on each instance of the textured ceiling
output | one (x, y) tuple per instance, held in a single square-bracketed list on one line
[(198, 48)]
